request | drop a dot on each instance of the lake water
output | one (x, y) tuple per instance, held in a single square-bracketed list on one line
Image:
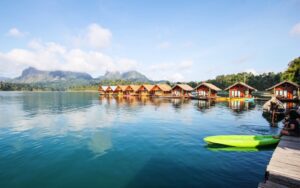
[(53, 139)]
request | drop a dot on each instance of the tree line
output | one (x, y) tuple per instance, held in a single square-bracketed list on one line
[(260, 81)]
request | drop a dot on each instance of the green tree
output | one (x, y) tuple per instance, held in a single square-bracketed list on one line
[(293, 71)]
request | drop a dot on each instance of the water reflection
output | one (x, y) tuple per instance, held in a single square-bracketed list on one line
[(179, 103), (203, 105), (134, 101), (55, 102), (221, 148), (240, 106), (290, 105), (99, 143)]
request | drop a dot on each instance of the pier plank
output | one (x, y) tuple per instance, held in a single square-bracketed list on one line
[(284, 167)]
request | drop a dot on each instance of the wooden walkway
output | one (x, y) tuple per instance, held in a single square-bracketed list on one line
[(284, 167)]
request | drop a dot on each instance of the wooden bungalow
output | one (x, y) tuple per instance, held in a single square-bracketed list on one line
[(286, 91), (161, 90), (119, 90), (109, 90), (182, 90), (101, 90), (206, 91), (240, 90), (145, 90), (131, 90)]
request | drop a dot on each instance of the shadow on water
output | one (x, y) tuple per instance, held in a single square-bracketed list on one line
[(268, 118), (221, 148), (157, 173)]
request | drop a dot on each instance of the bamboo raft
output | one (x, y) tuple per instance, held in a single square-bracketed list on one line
[(284, 167)]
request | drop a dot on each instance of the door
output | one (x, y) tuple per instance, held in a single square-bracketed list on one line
[(285, 93)]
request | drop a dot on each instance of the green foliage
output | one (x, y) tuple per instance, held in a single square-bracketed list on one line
[(15, 87), (260, 82), (293, 71), (193, 84)]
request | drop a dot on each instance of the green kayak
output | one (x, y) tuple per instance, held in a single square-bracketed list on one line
[(242, 140)]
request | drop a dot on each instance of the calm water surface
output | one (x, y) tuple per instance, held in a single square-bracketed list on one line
[(80, 140)]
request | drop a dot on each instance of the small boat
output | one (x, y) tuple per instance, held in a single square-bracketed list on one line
[(242, 140), (267, 105)]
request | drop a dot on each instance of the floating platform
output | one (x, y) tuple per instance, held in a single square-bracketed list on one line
[(284, 167), (220, 99), (203, 98)]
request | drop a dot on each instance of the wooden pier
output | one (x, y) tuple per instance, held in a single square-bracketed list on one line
[(284, 167)]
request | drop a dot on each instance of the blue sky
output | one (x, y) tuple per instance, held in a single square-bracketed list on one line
[(166, 39)]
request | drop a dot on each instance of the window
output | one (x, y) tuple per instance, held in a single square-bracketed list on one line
[(281, 92), (295, 92)]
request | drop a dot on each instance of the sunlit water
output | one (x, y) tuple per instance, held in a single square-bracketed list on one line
[(80, 140)]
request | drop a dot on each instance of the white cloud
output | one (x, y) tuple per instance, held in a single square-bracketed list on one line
[(186, 64), (125, 64), (94, 36), (54, 56), (176, 77), (35, 44), (295, 31), (253, 71), (85, 56), (164, 45), (14, 32), (176, 71)]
